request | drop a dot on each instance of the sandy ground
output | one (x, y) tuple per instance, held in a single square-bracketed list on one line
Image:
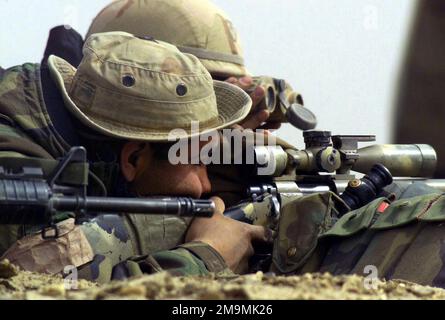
[(16, 284)]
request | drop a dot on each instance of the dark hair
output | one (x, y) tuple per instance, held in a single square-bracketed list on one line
[(160, 150)]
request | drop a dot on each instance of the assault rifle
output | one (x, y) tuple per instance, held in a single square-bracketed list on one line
[(26, 197)]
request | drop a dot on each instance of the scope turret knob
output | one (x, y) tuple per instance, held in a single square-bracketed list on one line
[(316, 138)]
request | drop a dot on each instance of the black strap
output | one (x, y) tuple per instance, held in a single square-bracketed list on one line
[(65, 43)]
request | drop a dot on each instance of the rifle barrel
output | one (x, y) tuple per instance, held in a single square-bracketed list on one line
[(32, 202), (181, 206)]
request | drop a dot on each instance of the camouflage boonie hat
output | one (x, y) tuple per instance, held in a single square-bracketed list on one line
[(194, 26), (141, 89)]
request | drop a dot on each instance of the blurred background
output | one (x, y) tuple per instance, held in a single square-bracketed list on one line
[(348, 58)]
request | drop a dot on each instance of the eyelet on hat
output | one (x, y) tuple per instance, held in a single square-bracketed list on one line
[(128, 80), (181, 90)]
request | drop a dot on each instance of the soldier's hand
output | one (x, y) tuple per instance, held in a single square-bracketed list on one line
[(232, 239), (257, 117)]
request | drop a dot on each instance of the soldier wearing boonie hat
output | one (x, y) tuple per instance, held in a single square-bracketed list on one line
[(203, 29), (396, 245), (121, 103)]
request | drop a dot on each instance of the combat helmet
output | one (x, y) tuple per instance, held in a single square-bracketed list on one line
[(197, 27)]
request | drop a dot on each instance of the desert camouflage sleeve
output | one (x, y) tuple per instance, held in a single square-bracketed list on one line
[(130, 245)]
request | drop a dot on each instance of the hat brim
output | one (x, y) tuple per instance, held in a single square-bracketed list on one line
[(233, 105)]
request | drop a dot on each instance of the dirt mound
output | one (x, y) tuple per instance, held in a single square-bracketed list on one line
[(15, 284)]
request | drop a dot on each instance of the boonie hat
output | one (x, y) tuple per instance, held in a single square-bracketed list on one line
[(141, 89)]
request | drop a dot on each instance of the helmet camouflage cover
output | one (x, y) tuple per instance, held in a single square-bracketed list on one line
[(194, 26)]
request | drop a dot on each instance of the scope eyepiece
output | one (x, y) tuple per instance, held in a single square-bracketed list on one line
[(360, 192)]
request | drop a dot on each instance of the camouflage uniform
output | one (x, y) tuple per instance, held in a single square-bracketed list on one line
[(115, 246), (399, 240)]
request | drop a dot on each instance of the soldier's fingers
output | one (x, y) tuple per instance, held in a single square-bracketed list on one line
[(243, 265), (220, 207), (257, 95), (271, 125), (260, 234), (250, 251), (237, 127), (245, 82), (232, 80), (255, 120)]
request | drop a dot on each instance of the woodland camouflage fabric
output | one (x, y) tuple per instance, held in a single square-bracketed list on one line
[(26, 130), (400, 240), (302, 220), (404, 241)]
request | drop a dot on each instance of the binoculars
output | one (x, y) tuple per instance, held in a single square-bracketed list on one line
[(284, 104)]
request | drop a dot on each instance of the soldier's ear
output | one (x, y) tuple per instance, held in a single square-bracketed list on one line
[(129, 159)]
